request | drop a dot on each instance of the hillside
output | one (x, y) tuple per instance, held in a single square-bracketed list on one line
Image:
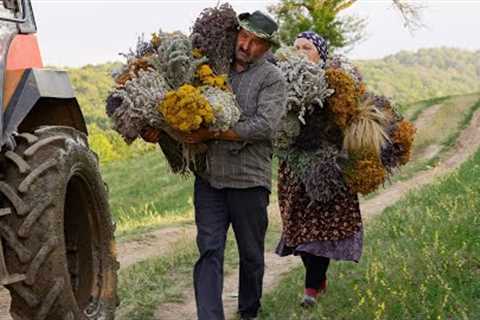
[(413, 76)]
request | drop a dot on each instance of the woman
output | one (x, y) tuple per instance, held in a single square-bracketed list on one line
[(317, 231)]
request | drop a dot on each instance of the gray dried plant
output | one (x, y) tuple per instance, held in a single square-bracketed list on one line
[(307, 87), (133, 107)]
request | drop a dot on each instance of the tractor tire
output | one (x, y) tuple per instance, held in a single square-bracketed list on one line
[(59, 232)]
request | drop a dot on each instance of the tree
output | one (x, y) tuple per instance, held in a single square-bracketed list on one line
[(322, 16), (411, 13)]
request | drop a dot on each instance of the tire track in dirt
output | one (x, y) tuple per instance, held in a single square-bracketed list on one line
[(151, 244)]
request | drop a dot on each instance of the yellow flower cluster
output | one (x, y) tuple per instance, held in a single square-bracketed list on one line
[(186, 109), (364, 173), (208, 78), (197, 53)]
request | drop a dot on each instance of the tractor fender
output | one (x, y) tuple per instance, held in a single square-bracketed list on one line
[(42, 97)]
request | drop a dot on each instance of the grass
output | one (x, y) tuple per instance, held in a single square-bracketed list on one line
[(442, 131), (143, 286), (450, 141), (445, 122), (421, 261), (413, 111), (144, 194)]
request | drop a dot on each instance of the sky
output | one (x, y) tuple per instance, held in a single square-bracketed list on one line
[(78, 32)]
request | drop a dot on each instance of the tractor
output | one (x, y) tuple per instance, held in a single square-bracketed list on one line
[(57, 249)]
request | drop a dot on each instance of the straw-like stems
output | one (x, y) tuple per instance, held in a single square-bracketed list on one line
[(366, 130)]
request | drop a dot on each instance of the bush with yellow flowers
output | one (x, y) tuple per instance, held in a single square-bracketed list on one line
[(186, 109)]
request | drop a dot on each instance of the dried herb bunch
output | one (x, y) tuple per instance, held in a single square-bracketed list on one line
[(384, 105), (225, 108), (186, 109), (131, 70), (174, 59), (364, 172), (207, 77), (214, 33), (345, 100), (404, 135), (320, 128), (173, 151), (366, 130), (143, 48), (133, 107), (287, 132), (343, 63), (323, 179), (319, 171), (307, 87)]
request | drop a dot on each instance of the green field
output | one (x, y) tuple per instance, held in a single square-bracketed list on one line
[(144, 194), (421, 261)]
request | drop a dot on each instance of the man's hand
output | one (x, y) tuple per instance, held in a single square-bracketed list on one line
[(151, 135), (198, 136)]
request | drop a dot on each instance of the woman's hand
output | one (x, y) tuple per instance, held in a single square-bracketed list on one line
[(198, 136), (151, 135)]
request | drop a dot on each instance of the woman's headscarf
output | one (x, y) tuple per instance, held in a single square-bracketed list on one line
[(318, 41)]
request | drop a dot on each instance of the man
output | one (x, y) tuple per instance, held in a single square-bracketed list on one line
[(235, 188)]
